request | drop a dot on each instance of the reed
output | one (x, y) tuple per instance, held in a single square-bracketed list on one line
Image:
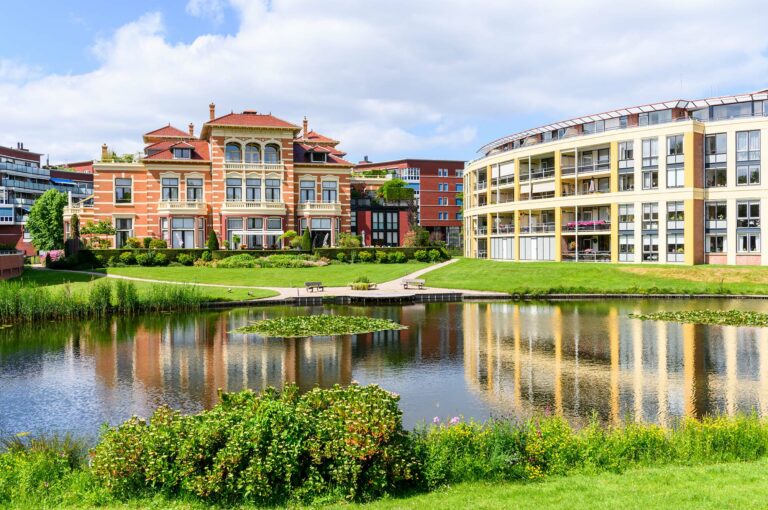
[(24, 303)]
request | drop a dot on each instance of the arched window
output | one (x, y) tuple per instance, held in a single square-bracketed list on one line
[(233, 153), (272, 153), (252, 153)]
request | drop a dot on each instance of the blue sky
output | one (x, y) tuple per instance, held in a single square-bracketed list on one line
[(389, 78)]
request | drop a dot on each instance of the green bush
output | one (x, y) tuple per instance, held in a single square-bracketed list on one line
[(396, 257), (206, 256), (213, 241), (158, 244), (365, 256), (160, 259), (132, 242), (306, 240), (238, 261), (435, 255), (341, 257), (127, 257), (421, 255), (186, 259), (266, 449), (146, 242), (145, 259), (381, 257)]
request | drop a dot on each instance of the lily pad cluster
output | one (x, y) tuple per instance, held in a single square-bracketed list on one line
[(718, 317), (319, 325)]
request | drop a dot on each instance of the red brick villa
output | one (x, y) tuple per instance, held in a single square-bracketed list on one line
[(248, 175)]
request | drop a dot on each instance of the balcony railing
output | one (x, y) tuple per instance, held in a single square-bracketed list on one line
[(587, 256), (178, 205), (24, 169), (254, 204), (481, 185), (325, 207), (587, 226), (504, 180), (542, 173), (481, 231), (594, 167), (538, 227), (26, 185), (716, 224), (503, 228), (257, 167)]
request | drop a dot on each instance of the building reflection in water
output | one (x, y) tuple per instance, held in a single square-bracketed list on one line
[(580, 359)]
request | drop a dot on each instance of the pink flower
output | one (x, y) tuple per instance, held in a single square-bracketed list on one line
[(436, 420), (455, 420)]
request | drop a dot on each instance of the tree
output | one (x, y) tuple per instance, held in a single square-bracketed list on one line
[(46, 220), (75, 222), (306, 240), (213, 241)]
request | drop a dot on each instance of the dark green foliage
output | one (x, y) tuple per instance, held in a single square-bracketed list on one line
[(75, 223), (133, 243), (266, 449), (206, 256), (128, 258), (146, 242), (421, 255), (145, 259), (435, 256), (340, 256), (100, 297), (306, 240), (186, 259), (396, 257), (160, 259), (213, 241), (365, 256), (395, 190), (158, 244), (381, 257), (719, 317), (319, 325)]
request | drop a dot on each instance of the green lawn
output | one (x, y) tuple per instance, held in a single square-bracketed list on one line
[(80, 281), (522, 277), (335, 275), (735, 485)]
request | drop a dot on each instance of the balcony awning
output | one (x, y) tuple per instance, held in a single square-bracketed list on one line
[(58, 180)]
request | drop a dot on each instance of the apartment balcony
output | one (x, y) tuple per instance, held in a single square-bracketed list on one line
[(587, 226), (254, 207), (481, 185), (310, 208), (537, 228), (254, 167), (24, 170), (587, 256), (78, 209), (594, 168), (481, 231), (505, 180), (503, 229), (182, 207)]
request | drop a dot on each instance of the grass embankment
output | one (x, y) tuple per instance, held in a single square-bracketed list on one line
[(81, 282), (588, 278), (334, 275), (347, 444)]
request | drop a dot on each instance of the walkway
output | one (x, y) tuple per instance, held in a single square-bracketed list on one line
[(390, 288)]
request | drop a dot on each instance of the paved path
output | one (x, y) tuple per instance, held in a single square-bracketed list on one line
[(393, 287)]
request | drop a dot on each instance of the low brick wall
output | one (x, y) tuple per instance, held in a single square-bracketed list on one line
[(11, 264)]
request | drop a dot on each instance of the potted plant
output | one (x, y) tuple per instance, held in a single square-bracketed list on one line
[(235, 241)]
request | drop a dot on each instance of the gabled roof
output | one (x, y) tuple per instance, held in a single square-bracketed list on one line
[(302, 151), (315, 137), (200, 151), (249, 118), (167, 132)]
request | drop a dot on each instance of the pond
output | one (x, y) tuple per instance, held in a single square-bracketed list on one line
[(579, 359)]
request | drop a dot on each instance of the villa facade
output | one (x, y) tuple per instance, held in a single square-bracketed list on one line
[(248, 176), (674, 182)]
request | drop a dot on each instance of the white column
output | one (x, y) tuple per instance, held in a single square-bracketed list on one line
[(662, 232), (638, 227), (731, 230)]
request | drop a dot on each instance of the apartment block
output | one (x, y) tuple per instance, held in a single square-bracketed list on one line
[(248, 176), (438, 186), (673, 182)]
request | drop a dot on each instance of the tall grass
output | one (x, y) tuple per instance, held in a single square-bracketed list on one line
[(24, 303)]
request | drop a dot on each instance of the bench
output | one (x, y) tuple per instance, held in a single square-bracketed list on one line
[(313, 286), (419, 284)]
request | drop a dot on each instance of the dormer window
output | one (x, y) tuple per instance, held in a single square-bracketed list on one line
[(182, 153), (318, 157)]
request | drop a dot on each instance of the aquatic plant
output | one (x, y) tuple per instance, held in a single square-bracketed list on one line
[(718, 317), (319, 325)]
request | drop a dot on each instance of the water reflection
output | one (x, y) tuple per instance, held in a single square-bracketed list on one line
[(474, 359), (579, 359)]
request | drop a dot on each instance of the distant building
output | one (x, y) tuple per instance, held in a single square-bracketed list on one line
[(438, 186), (22, 180)]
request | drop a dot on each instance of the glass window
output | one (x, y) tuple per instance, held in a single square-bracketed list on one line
[(123, 192), (626, 154), (182, 153), (182, 232), (748, 214), (626, 248), (651, 216), (272, 190), (234, 189), (232, 153), (123, 230), (272, 154), (626, 182), (252, 153), (675, 176), (651, 118), (715, 243), (715, 214), (170, 189), (626, 216), (674, 149), (747, 175), (330, 192), (650, 152), (650, 247), (675, 215), (306, 191), (255, 223), (715, 148), (253, 190), (651, 178), (274, 223), (234, 228), (164, 228), (748, 150), (748, 242), (194, 190), (675, 248)]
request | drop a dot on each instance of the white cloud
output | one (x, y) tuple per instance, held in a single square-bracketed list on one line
[(207, 9), (392, 78)]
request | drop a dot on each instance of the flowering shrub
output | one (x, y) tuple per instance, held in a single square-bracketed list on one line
[(266, 449)]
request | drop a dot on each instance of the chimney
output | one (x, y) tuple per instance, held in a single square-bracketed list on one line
[(306, 126), (366, 159), (191, 130), (104, 152), (212, 110)]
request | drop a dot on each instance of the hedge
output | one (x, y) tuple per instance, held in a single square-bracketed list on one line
[(173, 253), (332, 253)]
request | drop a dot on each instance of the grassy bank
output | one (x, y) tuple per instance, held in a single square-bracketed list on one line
[(348, 444), (82, 282), (335, 275), (557, 277)]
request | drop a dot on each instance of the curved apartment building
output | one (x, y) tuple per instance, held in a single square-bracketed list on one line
[(672, 182)]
